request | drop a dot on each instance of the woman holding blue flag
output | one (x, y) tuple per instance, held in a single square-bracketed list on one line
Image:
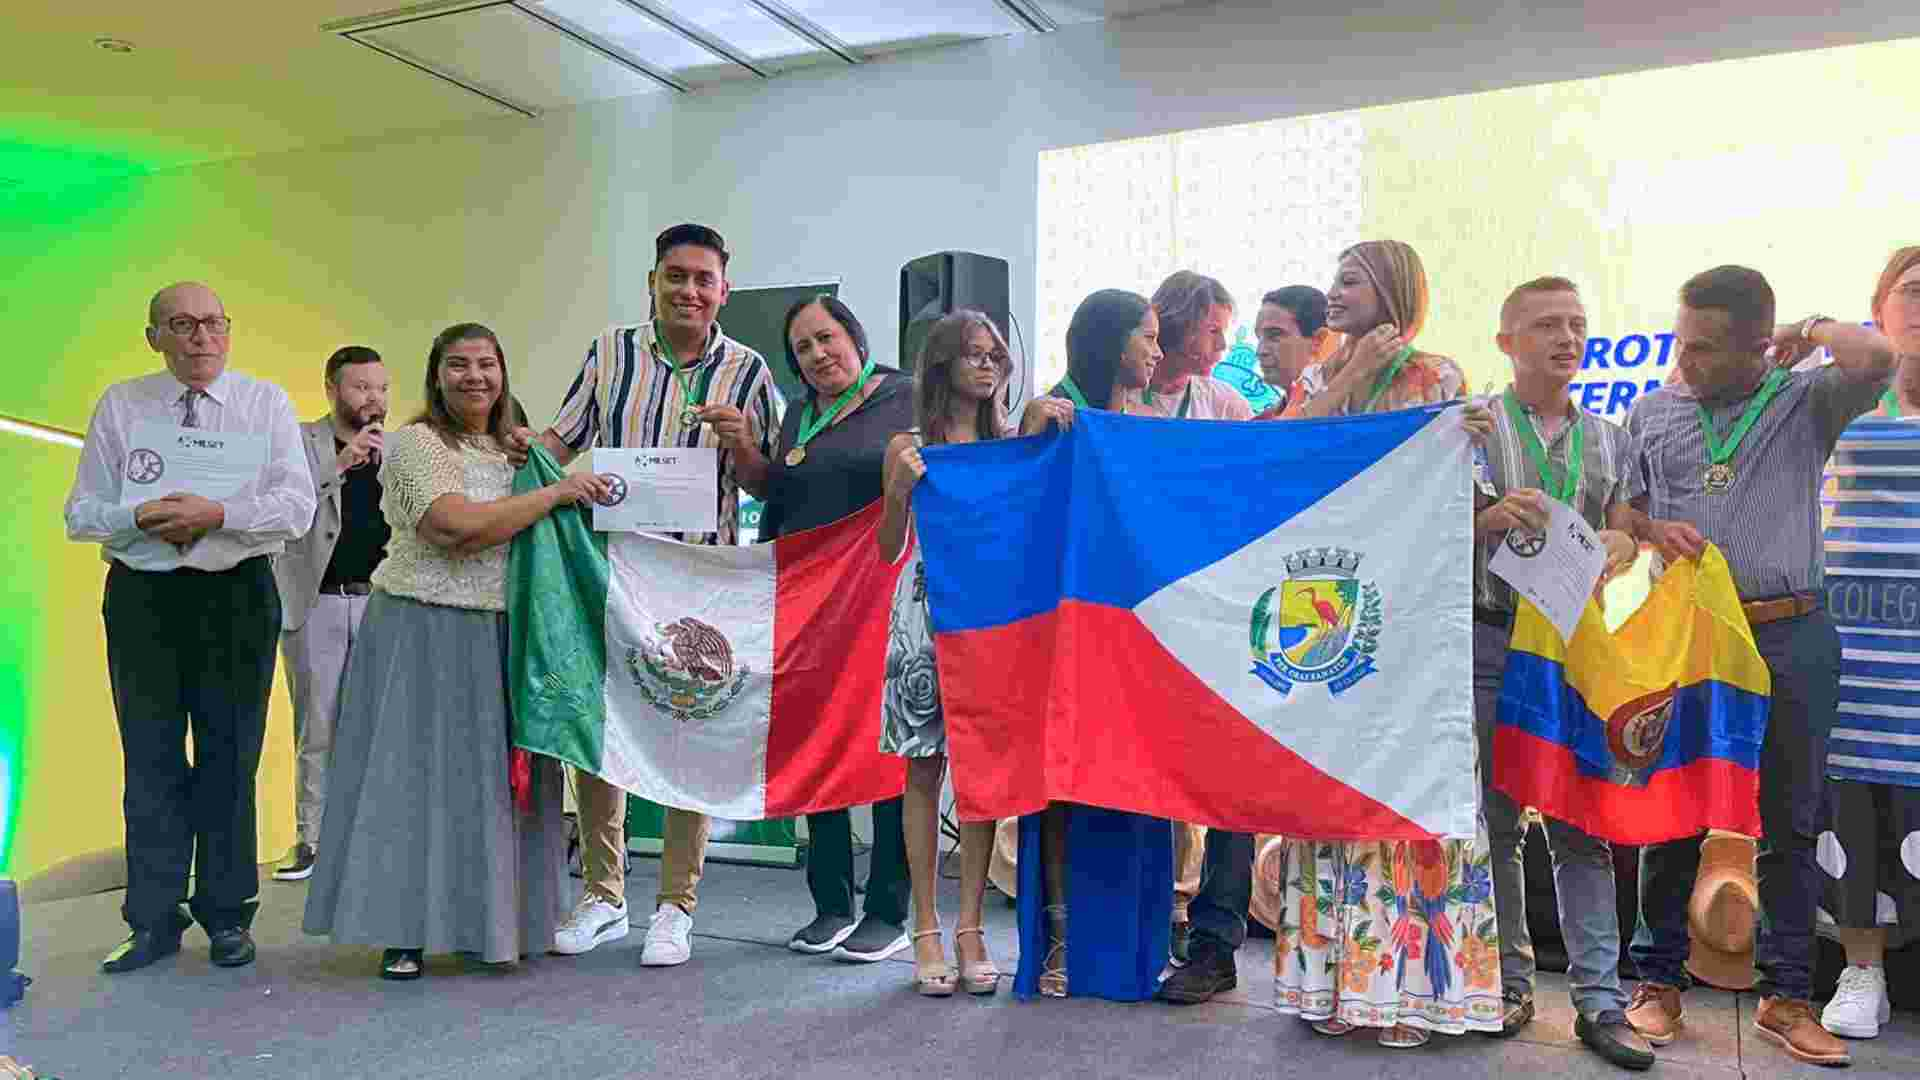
[(1113, 867), (963, 369), (1872, 853), (1397, 935)]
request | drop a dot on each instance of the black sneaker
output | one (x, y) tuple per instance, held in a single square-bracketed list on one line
[(231, 946), (1516, 1012), (822, 934), (1610, 1036), (872, 941), (299, 864), (1209, 971), (1181, 942)]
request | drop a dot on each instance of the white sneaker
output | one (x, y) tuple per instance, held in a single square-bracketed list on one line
[(1859, 1005), (594, 922), (669, 937)]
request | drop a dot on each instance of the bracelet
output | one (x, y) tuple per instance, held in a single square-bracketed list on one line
[(1806, 327)]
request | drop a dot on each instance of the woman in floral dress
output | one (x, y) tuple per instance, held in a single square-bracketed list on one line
[(1396, 935)]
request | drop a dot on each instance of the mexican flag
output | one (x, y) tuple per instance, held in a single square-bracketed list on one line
[(742, 682)]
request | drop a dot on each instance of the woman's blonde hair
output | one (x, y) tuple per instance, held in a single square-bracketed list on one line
[(1398, 275)]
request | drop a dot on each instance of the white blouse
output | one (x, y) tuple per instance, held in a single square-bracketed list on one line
[(417, 467)]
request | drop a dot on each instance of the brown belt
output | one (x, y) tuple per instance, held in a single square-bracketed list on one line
[(1781, 607)]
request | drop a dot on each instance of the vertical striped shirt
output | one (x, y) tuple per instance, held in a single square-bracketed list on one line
[(1609, 477), (1768, 523), (1873, 593), (628, 395)]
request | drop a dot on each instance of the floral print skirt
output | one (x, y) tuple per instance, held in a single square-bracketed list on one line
[(1378, 933)]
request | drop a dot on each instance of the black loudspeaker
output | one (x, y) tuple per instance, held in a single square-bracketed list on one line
[(932, 286)]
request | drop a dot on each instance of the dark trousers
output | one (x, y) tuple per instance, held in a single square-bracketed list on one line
[(1803, 656), (191, 650), (1218, 913), (830, 864)]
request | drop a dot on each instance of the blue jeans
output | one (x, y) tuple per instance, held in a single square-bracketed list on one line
[(1582, 868), (1218, 913), (1803, 656)]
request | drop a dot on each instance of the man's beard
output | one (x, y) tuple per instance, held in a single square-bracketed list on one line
[(358, 419)]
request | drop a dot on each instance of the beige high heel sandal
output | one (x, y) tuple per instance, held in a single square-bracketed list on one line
[(977, 977), (937, 982), (1053, 972)]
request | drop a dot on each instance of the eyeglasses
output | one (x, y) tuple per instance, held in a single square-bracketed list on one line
[(214, 325), (995, 360)]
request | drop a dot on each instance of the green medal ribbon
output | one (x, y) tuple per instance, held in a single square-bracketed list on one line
[(1569, 480), (1891, 399), (1386, 376), (1072, 390), (683, 378), (1186, 400), (809, 427), (1719, 452)]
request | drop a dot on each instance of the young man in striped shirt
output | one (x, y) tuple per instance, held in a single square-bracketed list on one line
[(676, 381)]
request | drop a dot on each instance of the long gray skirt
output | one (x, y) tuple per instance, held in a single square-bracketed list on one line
[(421, 846)]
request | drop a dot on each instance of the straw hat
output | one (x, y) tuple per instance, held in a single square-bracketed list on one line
[(1721, 912), (1003, 868), (1269, 880)]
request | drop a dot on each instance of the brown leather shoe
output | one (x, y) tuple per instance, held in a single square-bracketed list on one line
[(1655, 1012), (1791, 1023)]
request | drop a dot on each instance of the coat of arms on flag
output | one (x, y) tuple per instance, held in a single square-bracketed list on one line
[(686, 669), (1322, 624)]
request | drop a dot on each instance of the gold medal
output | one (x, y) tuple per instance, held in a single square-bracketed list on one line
[(1719, 478), (796, 455)]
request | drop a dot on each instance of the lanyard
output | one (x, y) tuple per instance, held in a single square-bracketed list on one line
[(1718, 452), (1186, 400), (1386, 376), (1537, 452), (1072, 390), (683, 378), (1891, 399), (809, 427)]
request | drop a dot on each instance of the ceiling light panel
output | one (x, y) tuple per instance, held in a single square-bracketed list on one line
[(630, 30), (508, 53), (741, 26), (881, 24)]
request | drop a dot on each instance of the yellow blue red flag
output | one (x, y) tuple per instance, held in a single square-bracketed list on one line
[(1648, 733)]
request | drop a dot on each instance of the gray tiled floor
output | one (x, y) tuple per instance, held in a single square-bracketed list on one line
[(743, 1007)]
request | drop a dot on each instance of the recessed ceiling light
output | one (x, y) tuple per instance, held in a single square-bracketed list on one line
[(113, 44)]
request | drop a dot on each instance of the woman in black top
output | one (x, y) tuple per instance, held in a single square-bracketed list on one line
[(827, 466)]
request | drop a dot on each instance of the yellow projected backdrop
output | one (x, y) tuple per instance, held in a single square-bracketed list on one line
[(1799, 166)]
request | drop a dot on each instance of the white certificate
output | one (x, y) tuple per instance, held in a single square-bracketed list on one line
[(665, 489), (1557, 569), (164, 459)]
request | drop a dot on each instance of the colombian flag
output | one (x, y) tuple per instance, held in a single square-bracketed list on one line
[(1646, 734)]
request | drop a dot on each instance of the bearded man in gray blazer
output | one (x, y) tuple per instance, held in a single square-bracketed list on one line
[(324, 576)]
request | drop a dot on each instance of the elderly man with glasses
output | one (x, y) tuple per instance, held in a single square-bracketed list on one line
[(190, 479)]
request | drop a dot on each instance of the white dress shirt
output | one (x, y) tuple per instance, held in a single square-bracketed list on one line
[(276, 507)]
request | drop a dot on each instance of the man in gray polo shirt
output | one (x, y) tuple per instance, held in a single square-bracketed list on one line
[(1545, 447), (1733, 456)]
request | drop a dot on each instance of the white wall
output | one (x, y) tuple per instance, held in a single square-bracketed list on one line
[(544, 228)]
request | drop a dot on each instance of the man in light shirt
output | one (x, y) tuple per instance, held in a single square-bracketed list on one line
[(192, 617), (326, 577)]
